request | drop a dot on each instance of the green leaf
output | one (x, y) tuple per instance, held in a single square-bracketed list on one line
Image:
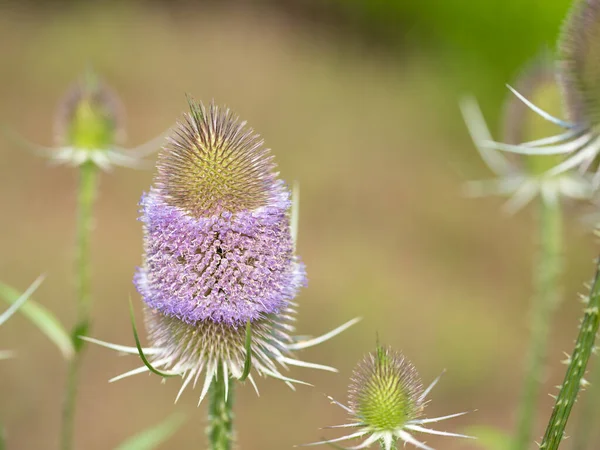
[(42, 318), (2, 438), (490, 438), (153, 437), (248, 347), (141, 351), (20, 301)]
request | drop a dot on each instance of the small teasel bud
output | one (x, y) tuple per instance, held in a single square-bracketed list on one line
[(89, 116), (387, 402), (386, 390), (89, 127)]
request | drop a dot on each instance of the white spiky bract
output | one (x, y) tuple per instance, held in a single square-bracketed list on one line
[(195, 352), (104, 158), (580, 142), (386, 404), (514, 181)]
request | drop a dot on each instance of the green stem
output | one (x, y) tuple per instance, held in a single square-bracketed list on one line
[(220, 413), (588, 417), (576, 369), (88, 181), (546, 280)]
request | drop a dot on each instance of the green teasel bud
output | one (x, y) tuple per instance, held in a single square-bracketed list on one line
[(386, 403), (89, 116), (89, 128), (386, 391)]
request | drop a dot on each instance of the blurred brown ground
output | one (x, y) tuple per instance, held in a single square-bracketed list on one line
[(377, 143)]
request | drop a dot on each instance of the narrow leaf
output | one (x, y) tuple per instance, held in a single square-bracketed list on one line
[(42, 318), (141, 351), (21, 300), (151, 438)]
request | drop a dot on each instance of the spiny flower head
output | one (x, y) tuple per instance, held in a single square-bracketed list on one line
[(386, 403), (220, 273), (578, 70), (217, 228)]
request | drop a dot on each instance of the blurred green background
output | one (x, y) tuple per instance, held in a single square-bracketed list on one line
[(358, 100)]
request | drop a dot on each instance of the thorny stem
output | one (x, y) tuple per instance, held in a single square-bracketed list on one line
[(220, 413), (588, 417), (578, 361), (88, 180), (546, 279)]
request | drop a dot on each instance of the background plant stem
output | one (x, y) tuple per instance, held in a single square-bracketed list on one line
[(87, 190), (548, 268), (576, 369), (220, 413)]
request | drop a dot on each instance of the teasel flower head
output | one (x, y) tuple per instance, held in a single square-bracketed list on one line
[(89, 126), (220, 272), (386, 403), (522, 177), (578, 70)]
